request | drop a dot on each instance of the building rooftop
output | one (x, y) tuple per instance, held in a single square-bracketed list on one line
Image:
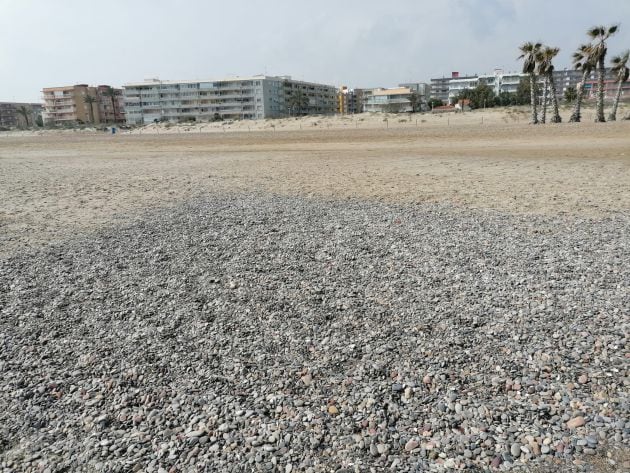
[(156, 81), (393, 91)]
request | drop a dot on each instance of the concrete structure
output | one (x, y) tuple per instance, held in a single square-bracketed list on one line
[(421, 88), (350, 101), (502, 82), (566, 78), (446, 89), (344, 96), (11, 117), (67, 105), (394, 100), (110, 111), (440, 86), (455, 86), (253, 97), (499, 81)]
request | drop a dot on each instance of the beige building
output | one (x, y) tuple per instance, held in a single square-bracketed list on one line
[(81, 103)]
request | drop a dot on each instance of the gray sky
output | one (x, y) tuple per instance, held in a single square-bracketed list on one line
[(367, 43)]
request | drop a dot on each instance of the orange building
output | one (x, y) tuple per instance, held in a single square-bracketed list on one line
[(82, 104)]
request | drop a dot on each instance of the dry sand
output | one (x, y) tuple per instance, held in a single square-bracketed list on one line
[(54, 185)]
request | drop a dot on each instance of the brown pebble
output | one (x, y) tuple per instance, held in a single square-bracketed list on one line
[(411, 445), (576, 422)]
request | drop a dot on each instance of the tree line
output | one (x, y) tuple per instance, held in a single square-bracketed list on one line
[(538, 63)]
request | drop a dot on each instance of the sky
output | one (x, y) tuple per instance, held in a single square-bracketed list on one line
[(46, 43)]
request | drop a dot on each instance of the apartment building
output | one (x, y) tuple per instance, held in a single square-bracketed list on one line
[(238, 98), (11, 115), (350, 101), (69, 105), (499, 81), (111, 108), (502, 82), (392, 100), (440, 86), (455, 86), (446, 89), (421, 88)]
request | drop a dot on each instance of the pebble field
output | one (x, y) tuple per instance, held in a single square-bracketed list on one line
[(256, 332)]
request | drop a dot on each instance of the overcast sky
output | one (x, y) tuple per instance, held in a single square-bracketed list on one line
[(366, 43)]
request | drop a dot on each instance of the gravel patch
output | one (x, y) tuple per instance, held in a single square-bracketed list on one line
[(257, 333)]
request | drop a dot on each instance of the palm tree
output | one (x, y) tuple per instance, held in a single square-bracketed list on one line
[(414, 101), (25, 112), (599, 35), (528, 55), (544, 60), (111, 93), (581, 61), (621, 73), (89, 101), (298, 101)]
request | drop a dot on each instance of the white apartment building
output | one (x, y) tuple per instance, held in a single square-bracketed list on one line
[(455, 86), (499, 81), (253, 97)]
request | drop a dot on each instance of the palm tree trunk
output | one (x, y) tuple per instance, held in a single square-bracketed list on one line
[(613, 113), (114, 108), (532, 91), (601, 71), (543, 111), (575, 116), (556, 118)]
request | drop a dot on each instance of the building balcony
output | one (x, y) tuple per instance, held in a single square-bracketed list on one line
[(58, 99), (61, 110), (224, 96)]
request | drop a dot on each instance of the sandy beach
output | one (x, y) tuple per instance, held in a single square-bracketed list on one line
[(57, 184)]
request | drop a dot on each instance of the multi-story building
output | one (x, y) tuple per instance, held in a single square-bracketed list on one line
[(455, 86), (446, 89), (350, 101), (394, 100), (440, 86), (502, 82), (82, 103), (499, 81), (421, 88), (67, 105), (610, 86), (235, 98), (344, 96), (111, 104), (11, 114)]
